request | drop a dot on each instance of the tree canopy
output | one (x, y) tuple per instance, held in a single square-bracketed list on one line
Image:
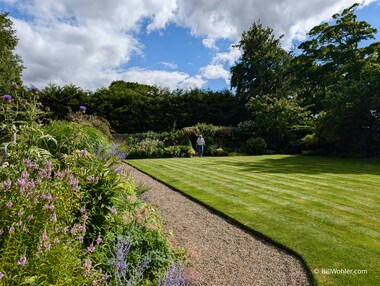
[(10, 63)]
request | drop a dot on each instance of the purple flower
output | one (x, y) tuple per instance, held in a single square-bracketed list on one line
[(7, 97), (98, 240), (11, 230), (22, 261), (1, 275), (1, 231), (9, 204), (91, 248), (87, 265), (82, 108), (19, 213), (174, 276), (119, 257), (7, 185), (35, 89), (44, 237), (21, 182), (53, 218)]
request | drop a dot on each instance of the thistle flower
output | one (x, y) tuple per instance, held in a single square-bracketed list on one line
[(35, 89), (82, 108), (1, 275), (11, 230), (9, 204), (7, 98)]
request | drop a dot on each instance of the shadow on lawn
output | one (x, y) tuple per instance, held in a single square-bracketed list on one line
[(308, 165)]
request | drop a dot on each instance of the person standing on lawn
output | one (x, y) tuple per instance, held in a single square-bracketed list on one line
[(200, 145)]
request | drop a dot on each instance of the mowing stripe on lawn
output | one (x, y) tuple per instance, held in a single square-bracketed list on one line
[(325, 209)]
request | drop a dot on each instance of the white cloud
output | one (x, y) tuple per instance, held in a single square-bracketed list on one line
[(169, 65), (228, 19), (88, 42), (215, 72), (171, 80)]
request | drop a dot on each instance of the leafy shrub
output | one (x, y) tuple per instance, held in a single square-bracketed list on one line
[(71, 136), (36, 227), (255, 145), (179, 151), (98, 122)]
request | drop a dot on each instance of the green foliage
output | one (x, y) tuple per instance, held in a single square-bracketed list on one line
[(92, 120), (338, 77), (35, 225), (260, 70), (276, 118), (71, 136), (61, 101), (20, 113), (10, 63), (255, 146)]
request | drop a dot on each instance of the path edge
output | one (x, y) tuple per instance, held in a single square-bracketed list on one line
[(240, 225)]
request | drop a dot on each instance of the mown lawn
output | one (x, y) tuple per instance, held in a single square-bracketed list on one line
[(325, 209)]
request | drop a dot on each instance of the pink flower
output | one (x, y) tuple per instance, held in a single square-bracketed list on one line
[(91, 248), (22, 261), (98, 240), (9, 204)]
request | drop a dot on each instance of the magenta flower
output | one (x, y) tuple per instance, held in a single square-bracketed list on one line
[(22, 261)]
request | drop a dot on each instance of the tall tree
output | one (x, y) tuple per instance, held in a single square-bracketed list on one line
[(333, 53), (261, 79), (260, 69), (338, 76), (10, 63)]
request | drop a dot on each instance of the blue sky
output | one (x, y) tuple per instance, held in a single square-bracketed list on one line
[(168, 43)]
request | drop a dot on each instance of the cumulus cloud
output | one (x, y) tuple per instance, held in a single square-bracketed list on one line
[(228, 19), (171, 80), (91, 42)]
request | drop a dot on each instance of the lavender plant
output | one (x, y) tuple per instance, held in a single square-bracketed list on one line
[(175, 276)]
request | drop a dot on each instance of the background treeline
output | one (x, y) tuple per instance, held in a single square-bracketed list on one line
[(321, 97), (135, 108)]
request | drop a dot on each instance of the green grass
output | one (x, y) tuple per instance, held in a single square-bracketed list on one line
[(325, 209)]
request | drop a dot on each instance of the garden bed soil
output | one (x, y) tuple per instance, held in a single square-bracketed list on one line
[(221, 254)]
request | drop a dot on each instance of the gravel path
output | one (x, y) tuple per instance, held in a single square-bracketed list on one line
[(221, 253)]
